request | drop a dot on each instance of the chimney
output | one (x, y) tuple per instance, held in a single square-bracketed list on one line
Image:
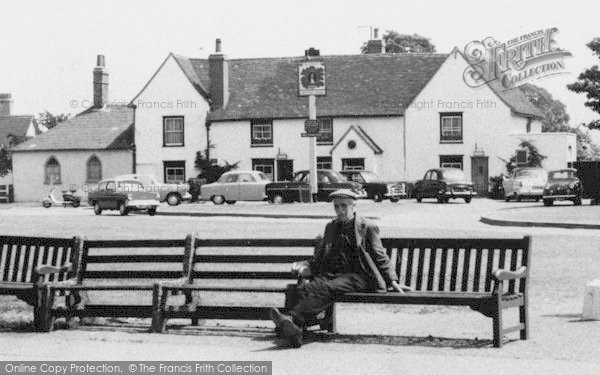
[(375, 45), (100, 83), (218, 70), (5, 104)]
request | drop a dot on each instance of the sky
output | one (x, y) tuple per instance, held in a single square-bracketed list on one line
[(48, 48)]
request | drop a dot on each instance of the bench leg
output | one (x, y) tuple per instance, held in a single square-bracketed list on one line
[(191, 303), (498, 327), (524, 318), (329, 322), (43, 315), (157, 313)]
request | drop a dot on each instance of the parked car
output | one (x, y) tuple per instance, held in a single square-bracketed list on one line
[(562, 184), (236, 186), (123, 195), (173, 194), (526, 182), (444, 184), (298, 190), (377, 189)]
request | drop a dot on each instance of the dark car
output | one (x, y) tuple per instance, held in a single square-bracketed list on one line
[(123, 195), (444, 184), (562, 185), (298, 190), (377, 189)]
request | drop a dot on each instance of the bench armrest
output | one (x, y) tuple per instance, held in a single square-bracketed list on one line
[(509, 275), (182, 281), (45, 269)]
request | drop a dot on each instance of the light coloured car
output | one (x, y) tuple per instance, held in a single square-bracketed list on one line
[(239, 185), (525, 183), (173, 194)]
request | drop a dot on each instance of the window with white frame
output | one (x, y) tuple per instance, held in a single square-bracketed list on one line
[(174, 171), (266, 166), (451, 129), (173, 135), (261, 133), (323, 162), (325, 136), (353, 164), (451, 161)]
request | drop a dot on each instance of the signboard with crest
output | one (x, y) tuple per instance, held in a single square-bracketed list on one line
[(311, 78)]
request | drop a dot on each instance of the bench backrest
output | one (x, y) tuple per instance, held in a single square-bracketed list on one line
[(458, 265), (137, 259), (19, 257)]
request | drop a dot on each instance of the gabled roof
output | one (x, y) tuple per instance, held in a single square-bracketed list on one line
[(362, 135), (16, 126), (516, 100), (109, 128)]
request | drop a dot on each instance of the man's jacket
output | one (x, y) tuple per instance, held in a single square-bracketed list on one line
[(373, 257)]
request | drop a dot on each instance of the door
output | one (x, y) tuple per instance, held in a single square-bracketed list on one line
[(285, 170), (480, 175), (230, 187), (110, 196), (248, 188)]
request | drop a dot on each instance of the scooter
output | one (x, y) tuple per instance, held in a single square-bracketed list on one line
[(68, 196)]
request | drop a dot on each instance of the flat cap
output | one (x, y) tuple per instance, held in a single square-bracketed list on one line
[(344, 193)]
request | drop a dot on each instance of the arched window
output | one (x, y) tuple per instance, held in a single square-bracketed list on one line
[(94, 169), (52, 171)]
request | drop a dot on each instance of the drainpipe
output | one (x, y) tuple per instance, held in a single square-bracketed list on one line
[(133, 148), (207, 124)]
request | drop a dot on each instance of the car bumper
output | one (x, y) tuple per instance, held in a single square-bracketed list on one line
[(459, 194), (560, 197), (142, 204), (530, 192)]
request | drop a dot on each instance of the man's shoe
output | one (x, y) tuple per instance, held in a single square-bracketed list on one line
[(287, 328)]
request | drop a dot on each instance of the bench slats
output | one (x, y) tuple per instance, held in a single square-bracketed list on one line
[(443, 265), (454, 270), (431, 272), (513, 266), (465, 273), (477, 274), (488, 270), (35, 241)]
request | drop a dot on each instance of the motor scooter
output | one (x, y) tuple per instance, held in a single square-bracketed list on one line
[(68, 198)]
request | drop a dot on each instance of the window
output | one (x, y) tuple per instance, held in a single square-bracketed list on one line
[(173, 131), (245, 177), (325, 136), (102, 186), (266, 166), (52, 171), (94, 169), (451, 127), (228, 178), (521, 156), (174, 171), (261, 133), (528, 126), (323, 162), (451, 161), (111, 186), (353, 164)]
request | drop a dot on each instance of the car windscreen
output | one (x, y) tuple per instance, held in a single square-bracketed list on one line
[(531, 173), (561, 175), (128, 186), (369, 176), (263, 177), (228, 178), (454, 175), (338, 176)]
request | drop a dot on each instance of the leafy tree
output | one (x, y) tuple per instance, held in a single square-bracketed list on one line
[(5, 161), (49, 120), (209, 169), (588, 82), (556, 119), (404, 43), (534, 158)]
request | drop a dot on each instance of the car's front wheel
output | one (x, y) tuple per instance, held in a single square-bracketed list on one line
[(173, 199), (218, 199), (548, 202), (377, 197), (152, 211), (468, 200), (577, 201), (123, 209), (97, 209), (394, 200), (419, 197), (277, 199)]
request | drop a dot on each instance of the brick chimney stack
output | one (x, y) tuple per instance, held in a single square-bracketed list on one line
[(5, 104), (100, 83), (375, 45), (218, 68)]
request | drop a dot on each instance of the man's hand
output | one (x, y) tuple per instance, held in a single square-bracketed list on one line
[(301, 269), (400, 288)]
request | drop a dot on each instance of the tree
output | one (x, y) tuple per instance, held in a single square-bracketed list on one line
[(209, 169), (556, 119), (5, 161), (404, 43), (49, 120), (588, 82), (534, 158)]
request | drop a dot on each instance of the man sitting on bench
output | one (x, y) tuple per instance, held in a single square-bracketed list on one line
[(350, 258)]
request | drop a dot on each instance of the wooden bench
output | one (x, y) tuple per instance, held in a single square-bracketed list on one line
[(487, 275), (28, 263), (120, 273)]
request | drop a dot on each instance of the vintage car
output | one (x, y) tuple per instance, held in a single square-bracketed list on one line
[(377, 189), (122, 195), (173, 194), (298, 190), (527, 182), (235, 186), (562, 185), (444, 184)]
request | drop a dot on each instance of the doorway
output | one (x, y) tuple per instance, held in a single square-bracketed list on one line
[(480, 175), (285, 169)]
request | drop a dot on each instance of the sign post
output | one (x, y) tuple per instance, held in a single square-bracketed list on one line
[(311, 82)]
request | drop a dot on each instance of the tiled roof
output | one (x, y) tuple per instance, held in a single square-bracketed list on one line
[(14, 125), (357, 85), (109, 128)]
